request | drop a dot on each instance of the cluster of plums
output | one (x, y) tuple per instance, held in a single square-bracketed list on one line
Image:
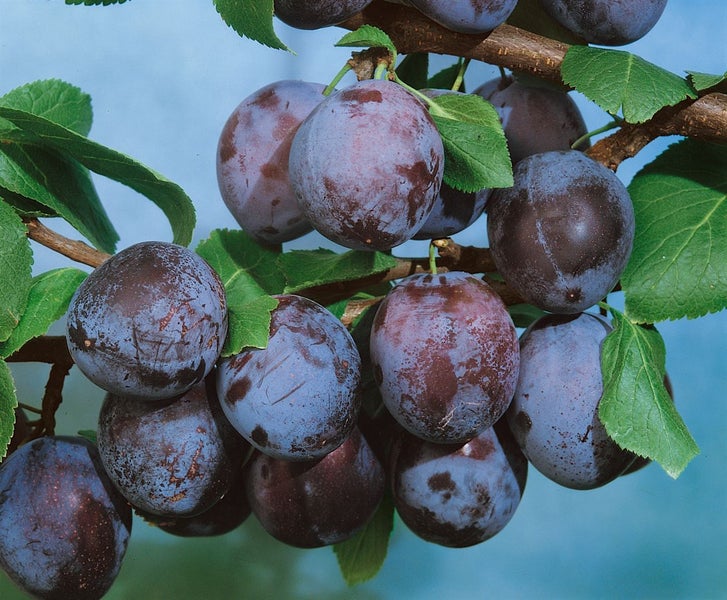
[(196, 442)]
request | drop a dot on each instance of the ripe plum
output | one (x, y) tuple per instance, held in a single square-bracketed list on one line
[(174, 458), (467, 16), (445, 355), (458, 495), (252, 160), (554, 413), (314, 14), (149, 322), (298, 398), (367, 164), (562, 235), (65, 528), (317, 503)]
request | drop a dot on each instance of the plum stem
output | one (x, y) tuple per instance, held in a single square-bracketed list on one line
[(335, 81), (463, 64), (433, 257), (616, 123)]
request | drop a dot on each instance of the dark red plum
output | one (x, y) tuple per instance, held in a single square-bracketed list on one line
[(606, 22), (467, 16), (318, 503), (174, 458), (562, 235), (64, 526), (314, 14), (554, 413), (535, 118), (149, 322), (445, 355), (458, 495), (252, 160), (297, 399), (366, 165)]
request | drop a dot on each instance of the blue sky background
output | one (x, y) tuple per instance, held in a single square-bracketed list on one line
[(164, 76)]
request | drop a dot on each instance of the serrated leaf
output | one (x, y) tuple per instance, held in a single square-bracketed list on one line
[(54, 100), (247, 269), (8, 402), (311, 268), (48, 299), (635, 408), (368, 36), (36, 175), (620, 81), (361, 557), (678, 265), (249, 325), (475, 149), (704, 81), (16, 260), (168, 196), (252, 19), (414, 70)]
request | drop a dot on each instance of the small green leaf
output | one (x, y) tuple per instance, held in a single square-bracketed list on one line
[(678, 265), (168, 196), (475, 148), (618, 80), (414, 69), (50, 294), (16, 260), (249, 325), (252, 19), (89, 434), (247, 269), (523, 315), (635, 408), (361, 557), (54, 100), (704, 81), (446, 78), (8, 403), (368, 36), (310, 268)]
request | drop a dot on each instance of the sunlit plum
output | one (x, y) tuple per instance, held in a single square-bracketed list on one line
[(149, 322), (252, 160), (467, 16), (554, 413), (314, 14), (367, 164), (562, 235), (445, 355)]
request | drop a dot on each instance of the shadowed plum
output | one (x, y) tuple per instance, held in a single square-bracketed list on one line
[(317, 503), (175, 458), (562, 235), (535, 118), (149, 322), (467, 16), (458, 495), (366, 165), (314, 14), (252, 160), (445, 355), (298, 398), (606, 22), (65, 527), (554, 413)]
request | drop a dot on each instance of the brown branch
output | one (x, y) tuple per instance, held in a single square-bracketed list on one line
[(73, 249)]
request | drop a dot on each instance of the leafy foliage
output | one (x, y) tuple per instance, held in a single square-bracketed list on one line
[(368, 36), (253, 20), (16, 259), (8, 402)]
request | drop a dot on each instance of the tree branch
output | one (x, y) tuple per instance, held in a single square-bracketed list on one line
[(73, 249)]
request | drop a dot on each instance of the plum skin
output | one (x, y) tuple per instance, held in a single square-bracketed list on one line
[(149, 322), (467, 16), (367, 187), (65, 527), (314, 14), (445, 355)]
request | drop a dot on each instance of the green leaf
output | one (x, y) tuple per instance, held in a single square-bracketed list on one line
[(678, 265), (16, 260), (249, 325), (475, 149), (704, 81), (446, 78), (89, 434), (618, 80), (523, 315), (54, 100), (252, 19), (361, 557), (247, 269), (368, 36), (310, 268), (50, 294), (170, 198), (8, 403), (35, 175), (635, 408), (414, 69)]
